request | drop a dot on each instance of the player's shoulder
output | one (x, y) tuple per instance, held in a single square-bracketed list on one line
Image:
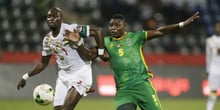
[(107, 37), (69, 26), (47, 36), (73, 25), (136, 32)]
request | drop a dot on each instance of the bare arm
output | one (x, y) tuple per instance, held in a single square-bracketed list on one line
[(99, 37), (97, 33), (35, 70), (87, 54), (76, 42), (161, 31), (40, 66), (105, 56)]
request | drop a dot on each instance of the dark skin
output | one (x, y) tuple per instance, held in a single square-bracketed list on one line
[(117, 30), (54, 21), (74, 37)]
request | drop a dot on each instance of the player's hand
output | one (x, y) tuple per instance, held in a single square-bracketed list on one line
[(21, 83), (72, 36), (191, 19)]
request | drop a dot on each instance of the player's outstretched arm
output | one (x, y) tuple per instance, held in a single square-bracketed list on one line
[(35, 70), (161, 31)]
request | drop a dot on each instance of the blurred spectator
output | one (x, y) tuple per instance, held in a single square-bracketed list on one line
[(27, 15)]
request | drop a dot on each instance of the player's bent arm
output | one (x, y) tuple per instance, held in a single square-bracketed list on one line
[(35, 70), (76, 42), (161, 31), (98, 34), (40, 66), (87, 54)]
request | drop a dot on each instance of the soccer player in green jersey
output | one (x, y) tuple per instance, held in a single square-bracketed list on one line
[(131, 73), (124, 52)]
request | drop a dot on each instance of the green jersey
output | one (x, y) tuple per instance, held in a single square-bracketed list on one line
[(127, 60)]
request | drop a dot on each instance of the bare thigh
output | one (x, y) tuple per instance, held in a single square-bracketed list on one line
[(71, 100)]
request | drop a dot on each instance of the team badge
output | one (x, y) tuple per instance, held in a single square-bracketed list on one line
[(129, 41)]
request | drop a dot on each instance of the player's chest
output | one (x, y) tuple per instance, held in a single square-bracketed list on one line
[(57, 46), (121, 47), (53, 44)]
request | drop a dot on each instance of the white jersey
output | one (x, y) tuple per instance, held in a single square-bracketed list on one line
[(65, 56), (213, 54)]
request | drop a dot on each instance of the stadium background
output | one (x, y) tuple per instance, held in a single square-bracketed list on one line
[(177, 60)]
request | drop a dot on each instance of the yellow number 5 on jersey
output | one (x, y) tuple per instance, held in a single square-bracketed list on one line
[(120, 52)]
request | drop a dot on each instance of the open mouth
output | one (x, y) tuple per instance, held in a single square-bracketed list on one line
[(113, 32), (50, 23)]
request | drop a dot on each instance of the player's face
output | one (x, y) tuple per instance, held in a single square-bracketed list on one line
[(117, 27), (53, 18)]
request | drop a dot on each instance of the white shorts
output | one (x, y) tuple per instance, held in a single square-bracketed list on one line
[(80, 79), (214, 81)]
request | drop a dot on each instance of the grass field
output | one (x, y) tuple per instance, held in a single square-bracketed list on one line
[(107, 104)]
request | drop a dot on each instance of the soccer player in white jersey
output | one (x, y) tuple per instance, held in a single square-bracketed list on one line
[(212, 65), (74, 74)]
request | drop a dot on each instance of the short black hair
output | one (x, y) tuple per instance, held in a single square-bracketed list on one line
[(118, 16), (58, 10)]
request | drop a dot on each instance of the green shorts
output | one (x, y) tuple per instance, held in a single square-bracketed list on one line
[(143, 95)]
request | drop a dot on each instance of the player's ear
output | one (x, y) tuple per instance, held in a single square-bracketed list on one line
[(125, 25)]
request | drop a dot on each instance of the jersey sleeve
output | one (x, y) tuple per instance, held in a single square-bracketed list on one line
[(46, 50), (83, 30), (142, 36)]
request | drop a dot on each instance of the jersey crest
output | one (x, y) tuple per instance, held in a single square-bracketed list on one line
[(129, 41)]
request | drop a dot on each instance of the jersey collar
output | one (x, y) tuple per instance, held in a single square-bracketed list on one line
[(120, 38)]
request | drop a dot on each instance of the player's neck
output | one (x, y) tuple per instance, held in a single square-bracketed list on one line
[(55, 31), (121, 37)]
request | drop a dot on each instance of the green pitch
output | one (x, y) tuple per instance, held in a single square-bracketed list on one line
[(107, 104)]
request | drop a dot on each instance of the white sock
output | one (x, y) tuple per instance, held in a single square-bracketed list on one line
[(211, 102)]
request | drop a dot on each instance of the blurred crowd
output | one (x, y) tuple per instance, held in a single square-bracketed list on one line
[(23, 22)]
